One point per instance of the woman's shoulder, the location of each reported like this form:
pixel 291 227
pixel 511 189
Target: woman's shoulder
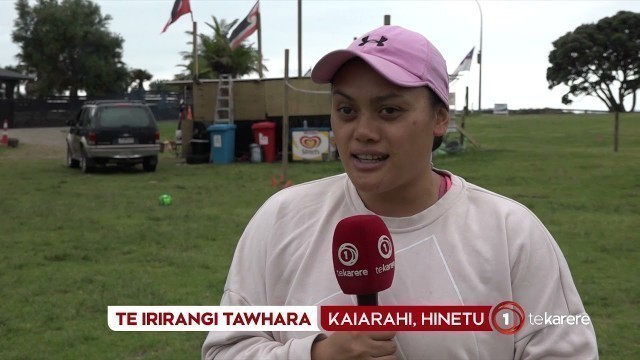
pixel 309 193
pixel 491 202
pixel 320 187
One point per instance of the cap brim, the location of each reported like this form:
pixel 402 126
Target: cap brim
pixel 326 68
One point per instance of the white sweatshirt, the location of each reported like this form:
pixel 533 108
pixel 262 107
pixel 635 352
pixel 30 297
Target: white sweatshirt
pixel 472 247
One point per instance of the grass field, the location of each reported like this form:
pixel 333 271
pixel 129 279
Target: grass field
pixel 72 244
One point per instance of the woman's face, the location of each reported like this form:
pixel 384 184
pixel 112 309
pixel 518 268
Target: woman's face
pixel 383 132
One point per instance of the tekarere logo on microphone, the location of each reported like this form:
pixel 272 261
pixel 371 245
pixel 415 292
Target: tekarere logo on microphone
pixel 348 254
pixel 385 247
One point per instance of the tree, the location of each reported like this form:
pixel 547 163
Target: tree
pixel 139 76
pixel 601 59
pixel 163 85
pixel 68 46
pixel 214 52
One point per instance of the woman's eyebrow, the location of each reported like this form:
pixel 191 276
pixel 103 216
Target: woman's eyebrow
pixel 377 99
pixel 338 92
pixel 383 98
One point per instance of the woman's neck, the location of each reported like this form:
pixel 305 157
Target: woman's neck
pixel 407 201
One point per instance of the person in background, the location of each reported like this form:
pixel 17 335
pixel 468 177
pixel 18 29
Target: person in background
pixel 455 243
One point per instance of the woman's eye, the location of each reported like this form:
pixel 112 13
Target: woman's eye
pixel 389 111
pixel 345 110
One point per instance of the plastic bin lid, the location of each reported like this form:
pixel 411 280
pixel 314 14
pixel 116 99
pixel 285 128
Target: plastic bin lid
pixel 221 127
pixel 264 125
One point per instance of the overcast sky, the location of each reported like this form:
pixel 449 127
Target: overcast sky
pixel 517 37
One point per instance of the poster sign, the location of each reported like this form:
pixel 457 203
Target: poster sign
pixel 310 145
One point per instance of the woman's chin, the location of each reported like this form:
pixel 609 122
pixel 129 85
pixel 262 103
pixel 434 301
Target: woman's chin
pixel 367 184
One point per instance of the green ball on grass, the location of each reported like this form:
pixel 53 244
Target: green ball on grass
pixel 164 199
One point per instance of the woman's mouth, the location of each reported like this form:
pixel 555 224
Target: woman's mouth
pixel 368 161
pixel 367 158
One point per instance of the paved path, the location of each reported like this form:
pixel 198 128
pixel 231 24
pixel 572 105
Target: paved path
pixel 43 143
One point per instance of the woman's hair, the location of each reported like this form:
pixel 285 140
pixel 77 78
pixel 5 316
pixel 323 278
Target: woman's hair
pixel 436 102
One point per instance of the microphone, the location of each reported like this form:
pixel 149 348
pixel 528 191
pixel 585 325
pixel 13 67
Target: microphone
pixel 363 257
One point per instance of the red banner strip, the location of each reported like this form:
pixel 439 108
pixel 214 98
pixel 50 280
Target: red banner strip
pixel 405 318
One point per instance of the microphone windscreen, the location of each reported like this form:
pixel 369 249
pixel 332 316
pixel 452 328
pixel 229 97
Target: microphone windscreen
pixel 363 255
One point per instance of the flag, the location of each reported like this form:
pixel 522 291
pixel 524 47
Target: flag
pixel 180 7
pixel 246 27
pixel 465 64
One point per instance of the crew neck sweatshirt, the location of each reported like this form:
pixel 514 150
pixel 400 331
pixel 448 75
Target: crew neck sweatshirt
pixel 472 247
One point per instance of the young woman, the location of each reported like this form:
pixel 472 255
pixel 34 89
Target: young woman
pixel 455 243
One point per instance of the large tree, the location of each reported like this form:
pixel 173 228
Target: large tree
pixel 215 56
pixel 601 59
pixel 68 46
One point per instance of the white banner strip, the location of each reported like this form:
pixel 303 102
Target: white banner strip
pixel 213 318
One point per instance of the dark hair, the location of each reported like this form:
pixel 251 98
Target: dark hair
pixel 435 99
pixel 436 102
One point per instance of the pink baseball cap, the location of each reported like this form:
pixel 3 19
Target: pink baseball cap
pixel 402 56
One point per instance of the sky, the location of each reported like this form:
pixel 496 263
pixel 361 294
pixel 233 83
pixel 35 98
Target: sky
pixel 517 37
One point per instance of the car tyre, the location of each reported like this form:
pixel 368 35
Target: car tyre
pixel 86 163
pixel 150 163
pixel 71 162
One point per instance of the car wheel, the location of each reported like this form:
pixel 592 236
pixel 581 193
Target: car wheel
pixel 150 163
pixel 71 162
pixel 86 164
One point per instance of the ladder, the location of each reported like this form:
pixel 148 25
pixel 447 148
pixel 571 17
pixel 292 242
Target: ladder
pixel 224 102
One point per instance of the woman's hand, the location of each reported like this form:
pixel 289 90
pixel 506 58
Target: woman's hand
pixel 347 345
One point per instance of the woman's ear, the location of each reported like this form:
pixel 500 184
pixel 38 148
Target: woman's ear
pixel 441 121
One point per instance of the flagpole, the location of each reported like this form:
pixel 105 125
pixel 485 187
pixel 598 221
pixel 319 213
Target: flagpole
pixel 260 46
pixel 299 38
pixel 285 119
pixel 187 126
pixel 195 52
pixel 480 64
pixel 195 49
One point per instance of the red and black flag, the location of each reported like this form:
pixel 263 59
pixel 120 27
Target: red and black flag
pixel 180 7
pixel 246 27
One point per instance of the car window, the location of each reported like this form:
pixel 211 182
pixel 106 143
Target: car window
pixel 84 117
pixel 89 115
pixel 76 120
pixel 118 116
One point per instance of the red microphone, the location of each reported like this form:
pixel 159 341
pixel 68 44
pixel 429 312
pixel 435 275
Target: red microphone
pixel 363 257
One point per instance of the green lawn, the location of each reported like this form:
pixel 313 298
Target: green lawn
pixel 72 244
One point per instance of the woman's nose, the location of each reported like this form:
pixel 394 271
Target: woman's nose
pixel 366 129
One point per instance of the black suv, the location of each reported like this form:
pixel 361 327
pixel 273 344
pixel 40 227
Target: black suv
pixel 121 132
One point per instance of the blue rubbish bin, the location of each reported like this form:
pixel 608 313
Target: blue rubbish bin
pixel 223 143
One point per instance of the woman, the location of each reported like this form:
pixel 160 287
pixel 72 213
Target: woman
pixel 455 243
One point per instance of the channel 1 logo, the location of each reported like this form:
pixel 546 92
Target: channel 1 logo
pixel 507 317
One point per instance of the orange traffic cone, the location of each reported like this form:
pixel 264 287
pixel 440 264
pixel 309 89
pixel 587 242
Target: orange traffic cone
pixel 288 183
pixel 189 116
pixel 5 133
pixel 274 182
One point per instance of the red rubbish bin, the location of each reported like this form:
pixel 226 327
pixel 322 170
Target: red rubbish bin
pixel 264 134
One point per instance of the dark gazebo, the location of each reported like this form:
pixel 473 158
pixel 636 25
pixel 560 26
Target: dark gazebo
pixel 8 81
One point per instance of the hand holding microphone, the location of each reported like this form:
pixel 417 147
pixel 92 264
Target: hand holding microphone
pixel 364 263
pixel 350 345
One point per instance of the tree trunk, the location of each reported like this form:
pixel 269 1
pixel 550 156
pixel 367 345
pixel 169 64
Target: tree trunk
pixel 633 103
pixel 10 87
pixel 616 107
pixel 620 107
pixel 73 93
pixel 616 131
